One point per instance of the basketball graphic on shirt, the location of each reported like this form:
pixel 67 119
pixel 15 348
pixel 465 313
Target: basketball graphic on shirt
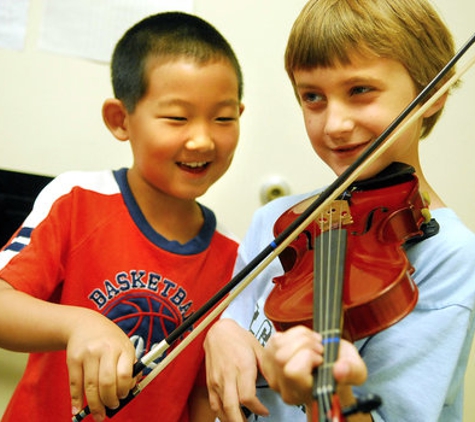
pixel 147 317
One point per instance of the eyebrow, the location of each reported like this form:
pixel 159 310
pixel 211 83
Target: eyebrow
pixel 179 102
pixel 354 80
pixel 362 79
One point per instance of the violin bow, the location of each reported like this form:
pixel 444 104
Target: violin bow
pixel 218 302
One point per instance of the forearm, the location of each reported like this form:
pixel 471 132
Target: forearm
pixel 28 324
pixel 99 355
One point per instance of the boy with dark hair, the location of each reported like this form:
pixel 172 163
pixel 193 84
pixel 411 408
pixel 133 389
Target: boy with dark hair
pixel 108 263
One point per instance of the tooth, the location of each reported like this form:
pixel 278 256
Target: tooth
pixel 194 165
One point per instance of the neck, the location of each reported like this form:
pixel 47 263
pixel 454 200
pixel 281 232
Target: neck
pixel 424 187
pixel 173 218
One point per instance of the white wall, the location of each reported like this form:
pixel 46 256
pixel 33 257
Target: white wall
pixel 50 120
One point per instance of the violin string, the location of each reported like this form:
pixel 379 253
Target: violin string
pixel 330 300
pixel 338 297
pixel 319 301
pixel 336 305
pixel 321 305
pixel 327 312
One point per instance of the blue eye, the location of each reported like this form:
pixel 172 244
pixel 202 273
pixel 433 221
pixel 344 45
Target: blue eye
pixel 360 90
pixel 311 97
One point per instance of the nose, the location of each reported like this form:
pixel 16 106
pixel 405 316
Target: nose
pixel 200 140
pixel 339 120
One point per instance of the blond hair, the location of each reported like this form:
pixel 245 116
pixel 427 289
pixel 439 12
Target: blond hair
pixel 327 32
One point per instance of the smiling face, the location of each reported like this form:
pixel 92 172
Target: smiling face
pixel 185 130
pixel 346 107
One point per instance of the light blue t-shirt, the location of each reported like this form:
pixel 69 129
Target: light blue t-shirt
pixel 417 366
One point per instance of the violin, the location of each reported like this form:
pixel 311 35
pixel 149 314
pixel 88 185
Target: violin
pixel 378 217
pixel 346 274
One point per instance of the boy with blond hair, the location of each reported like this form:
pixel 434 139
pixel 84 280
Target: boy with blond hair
pixel 354 66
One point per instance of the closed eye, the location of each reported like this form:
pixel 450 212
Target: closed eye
pixel 175 118
pixel 226 119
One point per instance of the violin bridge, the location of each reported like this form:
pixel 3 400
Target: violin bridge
pixel 336 215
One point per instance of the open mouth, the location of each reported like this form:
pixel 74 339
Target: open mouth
pixel 195 167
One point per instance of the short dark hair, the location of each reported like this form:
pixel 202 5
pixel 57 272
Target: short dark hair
pixel 165 36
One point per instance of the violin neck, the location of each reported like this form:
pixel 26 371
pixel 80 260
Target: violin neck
pixel 329 268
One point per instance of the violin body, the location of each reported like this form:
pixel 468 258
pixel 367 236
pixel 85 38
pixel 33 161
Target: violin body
pixel 378 290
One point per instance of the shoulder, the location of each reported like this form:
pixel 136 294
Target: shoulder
pixel 444 264
pixel 224 231
pixel 99 181
pixel 261 230
pixel 454 238
pixel 221 236
pixel 452 227
pixel 267 215
pixel 64 184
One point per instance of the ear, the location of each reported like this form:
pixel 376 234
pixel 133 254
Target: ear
pixel 115 115
pixel 438 105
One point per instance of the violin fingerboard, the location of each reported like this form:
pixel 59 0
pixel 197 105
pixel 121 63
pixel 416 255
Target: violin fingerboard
pixel 329 266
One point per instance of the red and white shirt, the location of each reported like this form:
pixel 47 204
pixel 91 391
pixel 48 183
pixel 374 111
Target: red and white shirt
pixel 86 243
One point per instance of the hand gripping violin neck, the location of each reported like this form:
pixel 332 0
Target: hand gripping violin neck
pixel 347 273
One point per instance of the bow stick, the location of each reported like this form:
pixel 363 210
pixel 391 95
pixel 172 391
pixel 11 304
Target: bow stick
pixel 216 305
